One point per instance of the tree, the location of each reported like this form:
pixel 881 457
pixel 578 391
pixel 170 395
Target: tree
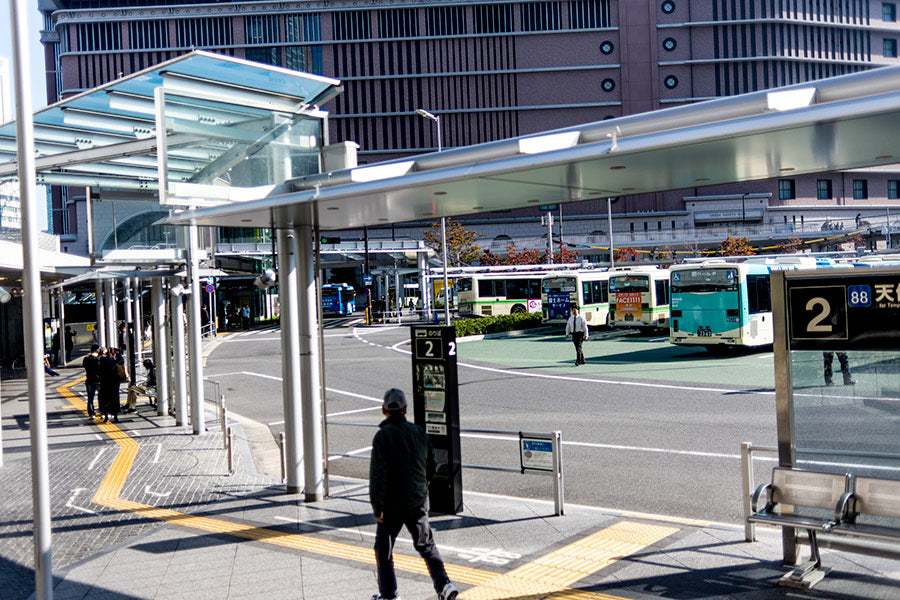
pixel 489 259
pixel 628 254
pixel 461 246
pixel 736 247
pixel 527 256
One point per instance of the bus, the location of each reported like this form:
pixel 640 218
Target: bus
pixel 639 296
pixel 488 294
pixel 338 298
pixel 588 290
pixel 726 303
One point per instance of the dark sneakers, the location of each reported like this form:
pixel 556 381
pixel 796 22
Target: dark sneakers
pixel 449 592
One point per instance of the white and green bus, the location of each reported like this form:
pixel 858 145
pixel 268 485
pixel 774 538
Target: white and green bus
pixel 488 294
pixel 587 289
pixel 639 297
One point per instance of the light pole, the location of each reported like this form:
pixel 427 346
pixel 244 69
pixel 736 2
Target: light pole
pixel 609 203
pixel 437 122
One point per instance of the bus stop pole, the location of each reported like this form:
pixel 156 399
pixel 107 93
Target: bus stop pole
pixel 31 306
pixel 311 405
pixel 290 362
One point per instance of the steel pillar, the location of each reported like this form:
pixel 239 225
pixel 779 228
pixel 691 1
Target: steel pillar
pixel 195 332
pixel 181 388
pixel 100 313
pixel 290 361
pixel 160 347
pixel 314 488
pixel 111 325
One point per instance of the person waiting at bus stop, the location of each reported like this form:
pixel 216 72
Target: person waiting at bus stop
pixel 577 329
pixel 828 359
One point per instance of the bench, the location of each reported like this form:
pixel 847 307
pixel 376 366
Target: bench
pixel 793 489
pixel 840 499
pixel 150 395
pixel 875 499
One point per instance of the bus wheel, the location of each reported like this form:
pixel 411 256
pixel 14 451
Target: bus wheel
pixel 518 309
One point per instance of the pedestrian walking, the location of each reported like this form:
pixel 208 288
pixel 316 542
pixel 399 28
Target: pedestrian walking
pixel 245 317
pixel 91 364
pixel 400 470
pixel 577 329
pixel 828 359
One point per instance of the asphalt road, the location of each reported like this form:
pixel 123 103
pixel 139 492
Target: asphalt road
pixel 646 427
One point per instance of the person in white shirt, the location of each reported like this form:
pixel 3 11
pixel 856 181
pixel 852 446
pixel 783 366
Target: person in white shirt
pixel 577 328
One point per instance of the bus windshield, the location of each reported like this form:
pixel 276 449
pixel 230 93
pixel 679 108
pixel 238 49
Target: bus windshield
pixel 705 280
pixel 630 283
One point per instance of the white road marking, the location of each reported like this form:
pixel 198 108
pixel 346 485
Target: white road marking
pixel 351 453
pixel 96 458
pixel 97 435
pixel 136 433
pixel 71 502
pixel 257 339
pixel 157 454
pixel 157 494
pixel 350 412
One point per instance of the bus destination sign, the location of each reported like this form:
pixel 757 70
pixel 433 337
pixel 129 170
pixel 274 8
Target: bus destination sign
pixel 847 312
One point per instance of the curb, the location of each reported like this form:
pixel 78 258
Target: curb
pixel 505 334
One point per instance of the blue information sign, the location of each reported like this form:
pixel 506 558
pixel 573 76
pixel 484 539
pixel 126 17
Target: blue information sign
pixel 558 305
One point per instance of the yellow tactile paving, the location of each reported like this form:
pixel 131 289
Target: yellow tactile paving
pixel 545 578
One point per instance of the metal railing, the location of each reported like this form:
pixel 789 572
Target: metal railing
pixel 555 438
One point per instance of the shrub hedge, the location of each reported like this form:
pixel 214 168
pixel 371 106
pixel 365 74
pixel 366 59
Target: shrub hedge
pixel 482 325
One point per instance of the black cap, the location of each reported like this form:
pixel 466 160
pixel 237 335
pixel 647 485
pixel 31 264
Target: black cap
pixel 394 400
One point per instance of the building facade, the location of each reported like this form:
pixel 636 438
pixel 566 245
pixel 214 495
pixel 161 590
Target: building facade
pixel 497 69
pixel 10 211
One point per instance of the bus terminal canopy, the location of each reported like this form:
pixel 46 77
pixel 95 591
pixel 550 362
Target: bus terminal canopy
pixel 218 110
pixel 834 124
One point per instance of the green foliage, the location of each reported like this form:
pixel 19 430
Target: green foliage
pixel 482 325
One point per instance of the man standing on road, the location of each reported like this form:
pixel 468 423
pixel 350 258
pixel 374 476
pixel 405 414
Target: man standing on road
pixel 400 469
pixel 577 328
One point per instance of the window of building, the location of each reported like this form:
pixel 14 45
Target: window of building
pixel 607 47
pixel 890 48
pixel 99 36
pixel 893 191
pixel 888 12
pixel 588 14
pixel 303 28
pixel 860 189
pixel 823 189
pixel 204 33
pixel 541 16
pixel 352 25
pixel 148 34
pixel 445 20
pixel 786 189
pixel 670 44
pixel 608 85
pixel 398 23
pixel 493 18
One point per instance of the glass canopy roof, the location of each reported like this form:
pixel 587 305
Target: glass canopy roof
pixel 218 112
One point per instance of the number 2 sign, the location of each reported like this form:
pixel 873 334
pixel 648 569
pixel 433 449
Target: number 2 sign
pixel 818 313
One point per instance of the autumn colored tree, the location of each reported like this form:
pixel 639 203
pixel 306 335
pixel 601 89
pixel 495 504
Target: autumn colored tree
pixel 564 255
pixel 790 246
pixel 526 256
pixel 628 254
pixel 461 246
pixel 736 247
pixel 489 259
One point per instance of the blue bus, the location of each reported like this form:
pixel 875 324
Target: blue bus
pixel 338 298
pixel 725 303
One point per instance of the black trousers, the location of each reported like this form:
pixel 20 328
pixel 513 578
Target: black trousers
pixel 91 392
pixel 828 358
pixel 416 522
pixel 578 339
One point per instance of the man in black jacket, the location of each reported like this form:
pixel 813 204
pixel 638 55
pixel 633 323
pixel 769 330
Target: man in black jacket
pixel 91 364
pixel 400 470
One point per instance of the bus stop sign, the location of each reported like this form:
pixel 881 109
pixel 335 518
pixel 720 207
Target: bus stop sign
pixel 436 406
pixel 846 311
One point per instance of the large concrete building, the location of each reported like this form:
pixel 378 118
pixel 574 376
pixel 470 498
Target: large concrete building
pixel 10 212
pixel 498 69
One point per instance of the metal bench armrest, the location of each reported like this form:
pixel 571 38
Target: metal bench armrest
pixel 843 511
pixel 754 501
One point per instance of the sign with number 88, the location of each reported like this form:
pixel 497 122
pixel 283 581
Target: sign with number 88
pixel 859 295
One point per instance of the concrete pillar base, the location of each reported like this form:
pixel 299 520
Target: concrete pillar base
pixel 292 489
pixel 313 497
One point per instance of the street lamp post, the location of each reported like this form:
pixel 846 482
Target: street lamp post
pixel 437 123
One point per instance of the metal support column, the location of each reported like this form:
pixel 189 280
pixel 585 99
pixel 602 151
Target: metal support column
pixel 195 341
pixel 424 285
pixel 31 304
pixel 129 325
pixel 63 338
pixel 446 284
pixel 160 347
pixel 111 325
pixel 313 454
pixel 138 324
pixel 290 361
pixel 100 332
pixel 181 388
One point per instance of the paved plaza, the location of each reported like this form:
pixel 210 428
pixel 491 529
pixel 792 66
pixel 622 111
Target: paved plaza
pixel 145 510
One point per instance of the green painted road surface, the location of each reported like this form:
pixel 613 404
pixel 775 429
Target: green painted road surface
pixel 613 354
